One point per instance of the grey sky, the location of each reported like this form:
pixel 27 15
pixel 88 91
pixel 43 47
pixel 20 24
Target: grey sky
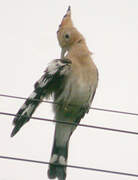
pixel 28 43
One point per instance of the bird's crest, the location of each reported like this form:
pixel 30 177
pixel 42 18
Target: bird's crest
pixel 66 21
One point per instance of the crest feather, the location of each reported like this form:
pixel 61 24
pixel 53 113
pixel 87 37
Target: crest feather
pixel 66 21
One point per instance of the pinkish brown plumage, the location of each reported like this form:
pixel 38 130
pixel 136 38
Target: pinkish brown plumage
pixel 72 81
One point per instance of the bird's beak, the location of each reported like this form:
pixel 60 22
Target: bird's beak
pixel 63 51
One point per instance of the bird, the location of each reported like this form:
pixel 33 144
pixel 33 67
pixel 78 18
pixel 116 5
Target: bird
pixel 72 81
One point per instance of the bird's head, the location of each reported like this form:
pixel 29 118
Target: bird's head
pixel 67 34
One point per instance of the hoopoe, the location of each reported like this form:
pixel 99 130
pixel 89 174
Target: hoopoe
pixel 72 81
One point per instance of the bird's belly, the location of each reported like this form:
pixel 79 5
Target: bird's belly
pixel 76 94
pixel 79 95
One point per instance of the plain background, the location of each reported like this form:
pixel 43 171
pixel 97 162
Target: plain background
pixel 28 43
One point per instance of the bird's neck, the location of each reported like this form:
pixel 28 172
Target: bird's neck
pixel 79 49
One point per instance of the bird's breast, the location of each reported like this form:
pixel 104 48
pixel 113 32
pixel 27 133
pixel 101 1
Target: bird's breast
pixel 75 92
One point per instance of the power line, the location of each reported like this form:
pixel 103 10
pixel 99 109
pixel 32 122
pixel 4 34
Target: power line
pixel 70 166
pixel 94 108
pixel 81 125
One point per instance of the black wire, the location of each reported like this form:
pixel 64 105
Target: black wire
pixel 94 108
pixel 71 166
pixel 82 125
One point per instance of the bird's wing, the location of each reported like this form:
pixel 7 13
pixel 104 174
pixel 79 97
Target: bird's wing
pixel 56 70
pixel 44 87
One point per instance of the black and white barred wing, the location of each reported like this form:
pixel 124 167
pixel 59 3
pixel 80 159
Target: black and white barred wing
pixel 43 88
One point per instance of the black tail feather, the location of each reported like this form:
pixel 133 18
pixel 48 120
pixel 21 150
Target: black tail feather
pixel 57 167
pixel 58 171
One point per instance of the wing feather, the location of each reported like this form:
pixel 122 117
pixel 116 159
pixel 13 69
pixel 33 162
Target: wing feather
pixel 44 87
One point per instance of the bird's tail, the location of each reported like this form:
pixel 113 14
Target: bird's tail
pixel 58 162
pixel 26 111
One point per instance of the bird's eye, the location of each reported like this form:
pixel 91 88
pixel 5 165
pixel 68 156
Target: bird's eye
pixel 67 36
